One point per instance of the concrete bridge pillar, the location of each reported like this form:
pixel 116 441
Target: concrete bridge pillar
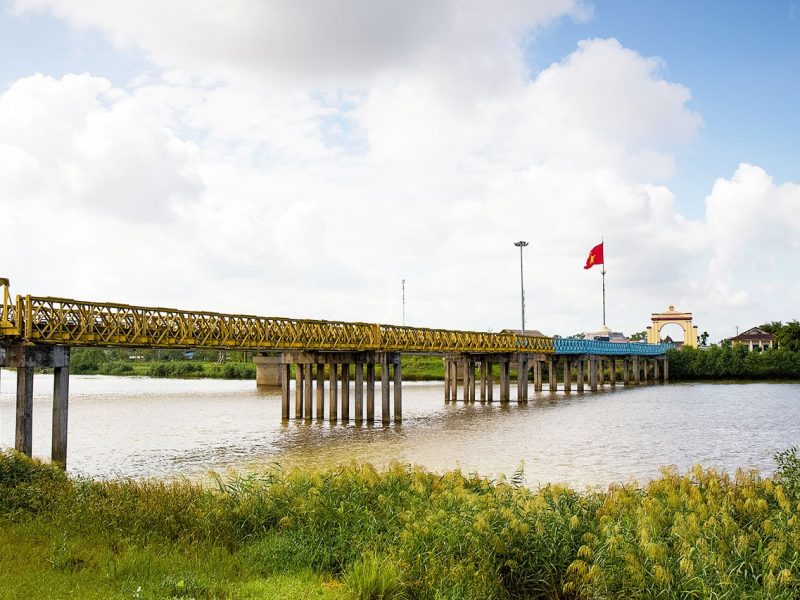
pixel 537 375
pixel 359 392
pixel 333 392
pixel 593 373
pixel 26 359
pixel 299 371
pixel 345 398
pixel 613 372
pixel 505 381
pixel 580 377
pixel 320 370
pixel 656 374
pixel 552 379
pixel 637 375
pixel 268 371
pixel 567 374
pixel 398 388
pixel 666 369
pixel 370 392
pixel 310 374
pixel 308 391
pixel 490 381
pixel 522 378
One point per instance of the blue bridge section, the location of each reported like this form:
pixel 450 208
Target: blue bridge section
pixel 578 346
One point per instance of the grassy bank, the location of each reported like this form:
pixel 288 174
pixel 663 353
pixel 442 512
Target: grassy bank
pixel 173 364
pixel 358 533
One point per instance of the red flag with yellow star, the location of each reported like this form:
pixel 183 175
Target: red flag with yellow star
pixel 595 256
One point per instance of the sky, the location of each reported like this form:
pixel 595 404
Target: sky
pixel 304 158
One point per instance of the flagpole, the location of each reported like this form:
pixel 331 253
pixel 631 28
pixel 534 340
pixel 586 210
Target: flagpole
pixel 602 241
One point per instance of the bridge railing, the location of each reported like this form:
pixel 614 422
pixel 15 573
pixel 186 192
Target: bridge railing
pixel 63 321
pixel 8 311
pixel 48 320
pixel 582 346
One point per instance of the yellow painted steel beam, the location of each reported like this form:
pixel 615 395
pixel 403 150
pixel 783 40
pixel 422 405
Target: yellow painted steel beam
pixel 45 320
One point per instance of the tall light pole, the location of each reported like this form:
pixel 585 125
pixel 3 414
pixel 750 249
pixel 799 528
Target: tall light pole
pixel 521 244
pixel 404 301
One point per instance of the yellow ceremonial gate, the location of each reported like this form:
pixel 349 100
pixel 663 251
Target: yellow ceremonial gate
pixel 683 319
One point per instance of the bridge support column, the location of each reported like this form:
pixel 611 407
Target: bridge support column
pixel 453 380
pixel 385 417
pixel 666 369
pixel 656 374
pixel 637 375
pixel 23 437
pixel 333 401
pixel 522 378
pixel 268 371
pixel 446 362
pixel 298 390
pixel 398 389
pixel 489 381
pixel 359 399
pixel 320 367
pixel 286 379
pixel 552 379
pixel 613 372
pixel 567 374
pixel 579 374
pixel 471 377
pixel 370 392
pixel 308 392
pixel 483 379
pixel 537 375
pixel 593 373
pixel 626 371
pixel 345 392
pixel 505 381
pixel 601 371
pixel 60 415
pixel 26 359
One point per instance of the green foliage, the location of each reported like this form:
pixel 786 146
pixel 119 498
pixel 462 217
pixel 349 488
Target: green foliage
pixel 788 473
pixel 732 362
pixel 405 532
pixel 86 360
pixel 639 336
pixel 374 577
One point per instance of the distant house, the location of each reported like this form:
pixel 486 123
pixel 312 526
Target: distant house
pixel 528 332
pixel 754 338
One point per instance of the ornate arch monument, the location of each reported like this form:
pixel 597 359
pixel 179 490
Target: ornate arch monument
pixel 684 319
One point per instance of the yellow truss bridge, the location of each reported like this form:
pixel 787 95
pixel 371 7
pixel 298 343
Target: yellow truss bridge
pixel 61 321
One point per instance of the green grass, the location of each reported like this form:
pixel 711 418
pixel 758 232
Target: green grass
pixel 355 532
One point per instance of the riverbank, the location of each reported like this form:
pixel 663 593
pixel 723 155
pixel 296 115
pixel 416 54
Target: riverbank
pixel 415 368
pixel 403 532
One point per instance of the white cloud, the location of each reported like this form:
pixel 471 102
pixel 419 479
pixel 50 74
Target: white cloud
pixel 754 232
pixel 84 145
pixel 314 41
pixel 284 167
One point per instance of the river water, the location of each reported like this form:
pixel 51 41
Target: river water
pixel 164 428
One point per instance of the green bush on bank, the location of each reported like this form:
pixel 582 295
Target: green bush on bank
pixel 406 532
pixel 732 362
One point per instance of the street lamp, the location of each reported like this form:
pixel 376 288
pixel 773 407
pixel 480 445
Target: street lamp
pixel 521 244
pixel 403 282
